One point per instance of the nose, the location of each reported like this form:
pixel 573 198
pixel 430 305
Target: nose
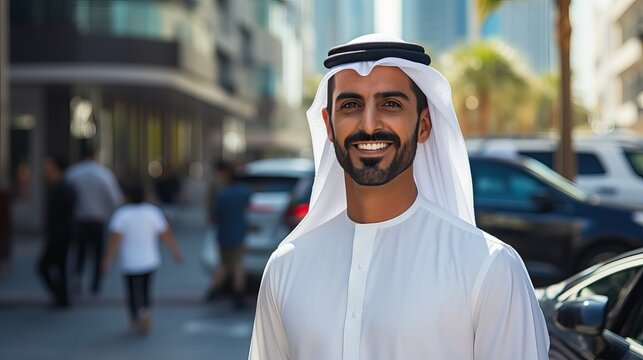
pixel 371 121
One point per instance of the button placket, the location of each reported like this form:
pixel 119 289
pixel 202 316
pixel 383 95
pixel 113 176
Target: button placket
pixel 363 240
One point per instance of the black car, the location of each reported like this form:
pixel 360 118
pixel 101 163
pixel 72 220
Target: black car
pixel 598 313
pixel 553 224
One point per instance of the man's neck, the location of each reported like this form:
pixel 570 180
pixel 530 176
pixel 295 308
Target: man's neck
pixel 371 204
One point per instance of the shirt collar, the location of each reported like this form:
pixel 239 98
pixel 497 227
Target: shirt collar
pixel 390 222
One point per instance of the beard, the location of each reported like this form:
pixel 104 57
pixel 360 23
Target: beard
pixel 370 173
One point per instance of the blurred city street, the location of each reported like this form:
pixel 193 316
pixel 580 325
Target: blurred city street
pixel 210 110
pixel 183 326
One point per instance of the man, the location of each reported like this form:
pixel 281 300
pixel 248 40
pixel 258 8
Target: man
pixel 59 211
pixel 388 263
pixel 228 213
pixel 98 194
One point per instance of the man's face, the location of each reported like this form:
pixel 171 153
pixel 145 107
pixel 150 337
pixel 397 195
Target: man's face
pixel 51 171
pixel 374 124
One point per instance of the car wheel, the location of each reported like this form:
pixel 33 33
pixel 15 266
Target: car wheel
pixel 600 253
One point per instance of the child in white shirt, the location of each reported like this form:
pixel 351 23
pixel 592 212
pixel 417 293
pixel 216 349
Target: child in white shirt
pixel 134 232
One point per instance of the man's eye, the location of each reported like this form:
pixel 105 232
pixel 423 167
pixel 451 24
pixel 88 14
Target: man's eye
pixel 349 105
pixel 391 104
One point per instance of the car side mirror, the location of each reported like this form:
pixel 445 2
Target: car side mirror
pixel 584 315
pixel 543 201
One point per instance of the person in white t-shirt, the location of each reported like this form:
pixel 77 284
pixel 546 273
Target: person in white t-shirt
pixel 134 232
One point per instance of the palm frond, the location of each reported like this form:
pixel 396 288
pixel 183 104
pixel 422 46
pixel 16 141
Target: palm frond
pixel 485 7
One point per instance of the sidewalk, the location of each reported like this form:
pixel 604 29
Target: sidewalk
pixel 184 283
pixel 183 326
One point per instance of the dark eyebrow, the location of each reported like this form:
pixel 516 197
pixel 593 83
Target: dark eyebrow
pixel 387 94
pixel 348 95
pixel 380 95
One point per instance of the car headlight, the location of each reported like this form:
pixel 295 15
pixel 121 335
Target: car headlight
pixel 637 217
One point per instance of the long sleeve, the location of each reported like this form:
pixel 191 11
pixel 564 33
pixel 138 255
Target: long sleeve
pixel 508 321
pixel 269 341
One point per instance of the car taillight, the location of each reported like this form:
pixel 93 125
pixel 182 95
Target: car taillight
pixel 295 214
pixel 300 211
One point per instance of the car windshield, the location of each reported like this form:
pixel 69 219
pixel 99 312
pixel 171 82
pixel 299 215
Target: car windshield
pixel 635 158
pixel 552 177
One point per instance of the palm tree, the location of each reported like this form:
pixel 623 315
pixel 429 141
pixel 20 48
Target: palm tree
pixel 565 158
pixel 484 76
pixel 548 101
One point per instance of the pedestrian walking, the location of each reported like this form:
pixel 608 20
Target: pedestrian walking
pixel 388 263
pixel 134 232
pixel 59 211
pixel 98 194
pixel 228 214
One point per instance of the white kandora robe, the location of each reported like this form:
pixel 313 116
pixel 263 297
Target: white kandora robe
pixel 423 285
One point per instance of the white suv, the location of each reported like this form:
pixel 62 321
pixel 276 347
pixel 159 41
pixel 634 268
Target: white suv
pixel 611 169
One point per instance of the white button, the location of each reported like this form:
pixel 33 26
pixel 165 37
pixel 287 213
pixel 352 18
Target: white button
pixel 354 315
pixel 360 266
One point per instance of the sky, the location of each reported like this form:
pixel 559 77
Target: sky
pixel 583 48
pixel 388 15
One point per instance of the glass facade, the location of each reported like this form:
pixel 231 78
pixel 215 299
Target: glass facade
pixel 138 19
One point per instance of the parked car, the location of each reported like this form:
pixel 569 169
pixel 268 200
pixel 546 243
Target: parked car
pixel 556 227
pixel 611 168
pixel 598 313
pixel 272 182
pixel 299 202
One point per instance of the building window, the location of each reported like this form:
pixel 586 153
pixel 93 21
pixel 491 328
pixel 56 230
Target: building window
pixel 225 16
pixel 267 80
pixel 632 87
pixel 246 46
pixel 226 79
pixel 632 27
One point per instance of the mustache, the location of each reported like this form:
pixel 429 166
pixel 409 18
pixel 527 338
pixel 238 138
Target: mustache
pixel 377 136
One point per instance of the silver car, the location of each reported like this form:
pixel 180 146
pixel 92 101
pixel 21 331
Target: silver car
pixel 273 183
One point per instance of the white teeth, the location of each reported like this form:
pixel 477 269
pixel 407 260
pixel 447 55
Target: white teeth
pixel 371 146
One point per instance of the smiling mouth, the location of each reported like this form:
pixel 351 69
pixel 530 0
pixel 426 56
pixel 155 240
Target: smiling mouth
pixel 372 146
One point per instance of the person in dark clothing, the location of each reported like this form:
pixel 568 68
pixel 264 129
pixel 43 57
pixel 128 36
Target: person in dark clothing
pixel 229 214
pixel 59 210
pixel 168 186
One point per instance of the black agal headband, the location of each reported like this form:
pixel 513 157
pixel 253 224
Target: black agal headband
pixel 374 51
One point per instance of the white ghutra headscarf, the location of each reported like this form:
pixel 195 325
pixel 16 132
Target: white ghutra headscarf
pixel 441 165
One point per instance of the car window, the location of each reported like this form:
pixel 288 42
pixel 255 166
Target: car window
pixel 545 157
pixel 303 190
pixel 637 330
pixel 635 159
pixel 270 183
pixel 555 180
pixel 609 286
pixel 496 181
pixel 587 163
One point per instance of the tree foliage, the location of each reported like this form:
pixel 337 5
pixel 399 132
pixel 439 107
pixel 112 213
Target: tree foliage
pixel 489 85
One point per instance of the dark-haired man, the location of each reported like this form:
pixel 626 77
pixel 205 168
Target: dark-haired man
pixel 228 213
pixel 98 194
pixel 388 263
pixel 59 211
